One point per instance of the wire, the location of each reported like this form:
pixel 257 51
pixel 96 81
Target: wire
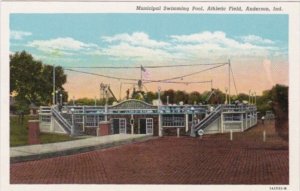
pixel 133 67
pixel 186 75
pixel 105 76
pixel 178 82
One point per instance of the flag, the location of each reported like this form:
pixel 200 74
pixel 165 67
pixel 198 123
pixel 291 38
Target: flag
pixel 143 69
pixel 146 75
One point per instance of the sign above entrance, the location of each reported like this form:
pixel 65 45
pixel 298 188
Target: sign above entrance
pixel 133 104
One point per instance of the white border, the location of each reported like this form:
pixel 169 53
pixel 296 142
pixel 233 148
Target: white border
pixel 292 9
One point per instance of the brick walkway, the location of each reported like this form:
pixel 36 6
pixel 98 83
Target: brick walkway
pixel 170 160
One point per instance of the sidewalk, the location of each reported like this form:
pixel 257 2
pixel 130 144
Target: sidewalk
pixel 36 152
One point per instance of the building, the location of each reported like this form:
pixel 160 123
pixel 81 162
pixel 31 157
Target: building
pixel 138 117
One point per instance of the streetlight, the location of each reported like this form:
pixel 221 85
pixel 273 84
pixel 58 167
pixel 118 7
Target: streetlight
pixel 193 134
pixel 56 96
pixel 255 98
pixel 249 97
pixel 158 95
pixel 226 90
pixel 60 98
pixel 72 127
pixel 73 100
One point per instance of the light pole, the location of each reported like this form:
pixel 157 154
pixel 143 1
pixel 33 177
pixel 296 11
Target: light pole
pixel 193 134
pixel 73 100
pixel 167 100
pixel 60 99
pixel 255 98
pixel 226 90
pixel 158 95
pixel 249 97
pixel 95 101
pixel 72 127
pixel 53 98
pixel 56 97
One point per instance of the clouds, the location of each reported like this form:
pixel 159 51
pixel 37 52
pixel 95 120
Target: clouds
pixel 66 46
pixel 19 35
pixel 135 39
pixel 256 40
pixel 141 47
pixel 215 45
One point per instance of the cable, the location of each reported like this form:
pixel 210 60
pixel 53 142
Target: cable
pixel 178 82
pixel 179 77
pixel 105 76
pixel 134 67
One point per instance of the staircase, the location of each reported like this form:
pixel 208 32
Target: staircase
pixel 65 124
pixel 209 119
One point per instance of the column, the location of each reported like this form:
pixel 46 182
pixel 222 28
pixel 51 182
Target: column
pixel 242 124
pixel 160 125
pixel 186 122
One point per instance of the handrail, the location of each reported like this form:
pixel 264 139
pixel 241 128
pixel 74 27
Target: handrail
pixel 208 118
pixel 61 119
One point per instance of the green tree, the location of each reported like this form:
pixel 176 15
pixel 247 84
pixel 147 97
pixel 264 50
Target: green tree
pixel 194 97
pixel 31 80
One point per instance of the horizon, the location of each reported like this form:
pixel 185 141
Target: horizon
pixel 257 49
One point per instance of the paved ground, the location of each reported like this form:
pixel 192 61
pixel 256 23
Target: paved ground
pixel 170 160
pixel 40 151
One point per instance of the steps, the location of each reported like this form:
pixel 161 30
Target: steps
pixel 214 115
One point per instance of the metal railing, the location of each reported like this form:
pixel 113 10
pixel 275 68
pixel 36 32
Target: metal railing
pixel 61 120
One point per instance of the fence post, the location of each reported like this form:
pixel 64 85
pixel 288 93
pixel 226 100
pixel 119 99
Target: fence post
pixel 231 135
pixel 264 136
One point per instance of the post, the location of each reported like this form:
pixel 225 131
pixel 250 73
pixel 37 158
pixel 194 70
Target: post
pixel 178 132
pixel 72 127
pixel 249 97
pixel 53 98
pixel 95 100
pixel 33 132
pixel 264 136
pixel 229 81
pixel 83 119
pixel 193 134
pixel 160 125
pixel 167 100
pixel 131 124
pixel 73 100
pixel 56 97
pixel 186 122
pixel 60 98
pixel 231 135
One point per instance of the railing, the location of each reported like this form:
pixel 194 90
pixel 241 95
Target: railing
pixel 209 119
pixel 60 119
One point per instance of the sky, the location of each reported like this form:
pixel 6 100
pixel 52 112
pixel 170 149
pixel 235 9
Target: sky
pixel 256 45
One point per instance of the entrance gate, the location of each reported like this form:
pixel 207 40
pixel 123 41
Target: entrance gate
pixel 119 126
pixel 146 126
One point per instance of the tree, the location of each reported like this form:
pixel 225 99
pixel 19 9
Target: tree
pixel 31 80
pixel 165 94
pixel 181 96
pixel 194 97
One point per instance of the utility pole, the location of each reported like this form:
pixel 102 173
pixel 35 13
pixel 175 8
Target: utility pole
pixel 53 97
pixel 229 82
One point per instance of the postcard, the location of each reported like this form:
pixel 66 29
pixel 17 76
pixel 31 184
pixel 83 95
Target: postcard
pixel 150 95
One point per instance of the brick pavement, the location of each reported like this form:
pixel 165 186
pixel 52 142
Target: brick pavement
pixel 170 160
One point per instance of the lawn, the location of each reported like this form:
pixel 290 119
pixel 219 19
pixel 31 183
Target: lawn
pixel 19 133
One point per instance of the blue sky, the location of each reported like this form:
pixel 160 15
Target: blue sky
pixel 151 39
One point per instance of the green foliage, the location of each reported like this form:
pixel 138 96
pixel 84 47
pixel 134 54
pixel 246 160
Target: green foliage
pixel 280 95
pixel 19 133
pixel 31 80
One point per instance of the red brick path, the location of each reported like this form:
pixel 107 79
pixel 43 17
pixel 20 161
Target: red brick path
pixel 170 160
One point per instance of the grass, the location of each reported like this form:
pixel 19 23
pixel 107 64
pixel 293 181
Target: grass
pixel 19 133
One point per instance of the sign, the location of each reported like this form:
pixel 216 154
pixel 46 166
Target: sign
pixel 200 132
